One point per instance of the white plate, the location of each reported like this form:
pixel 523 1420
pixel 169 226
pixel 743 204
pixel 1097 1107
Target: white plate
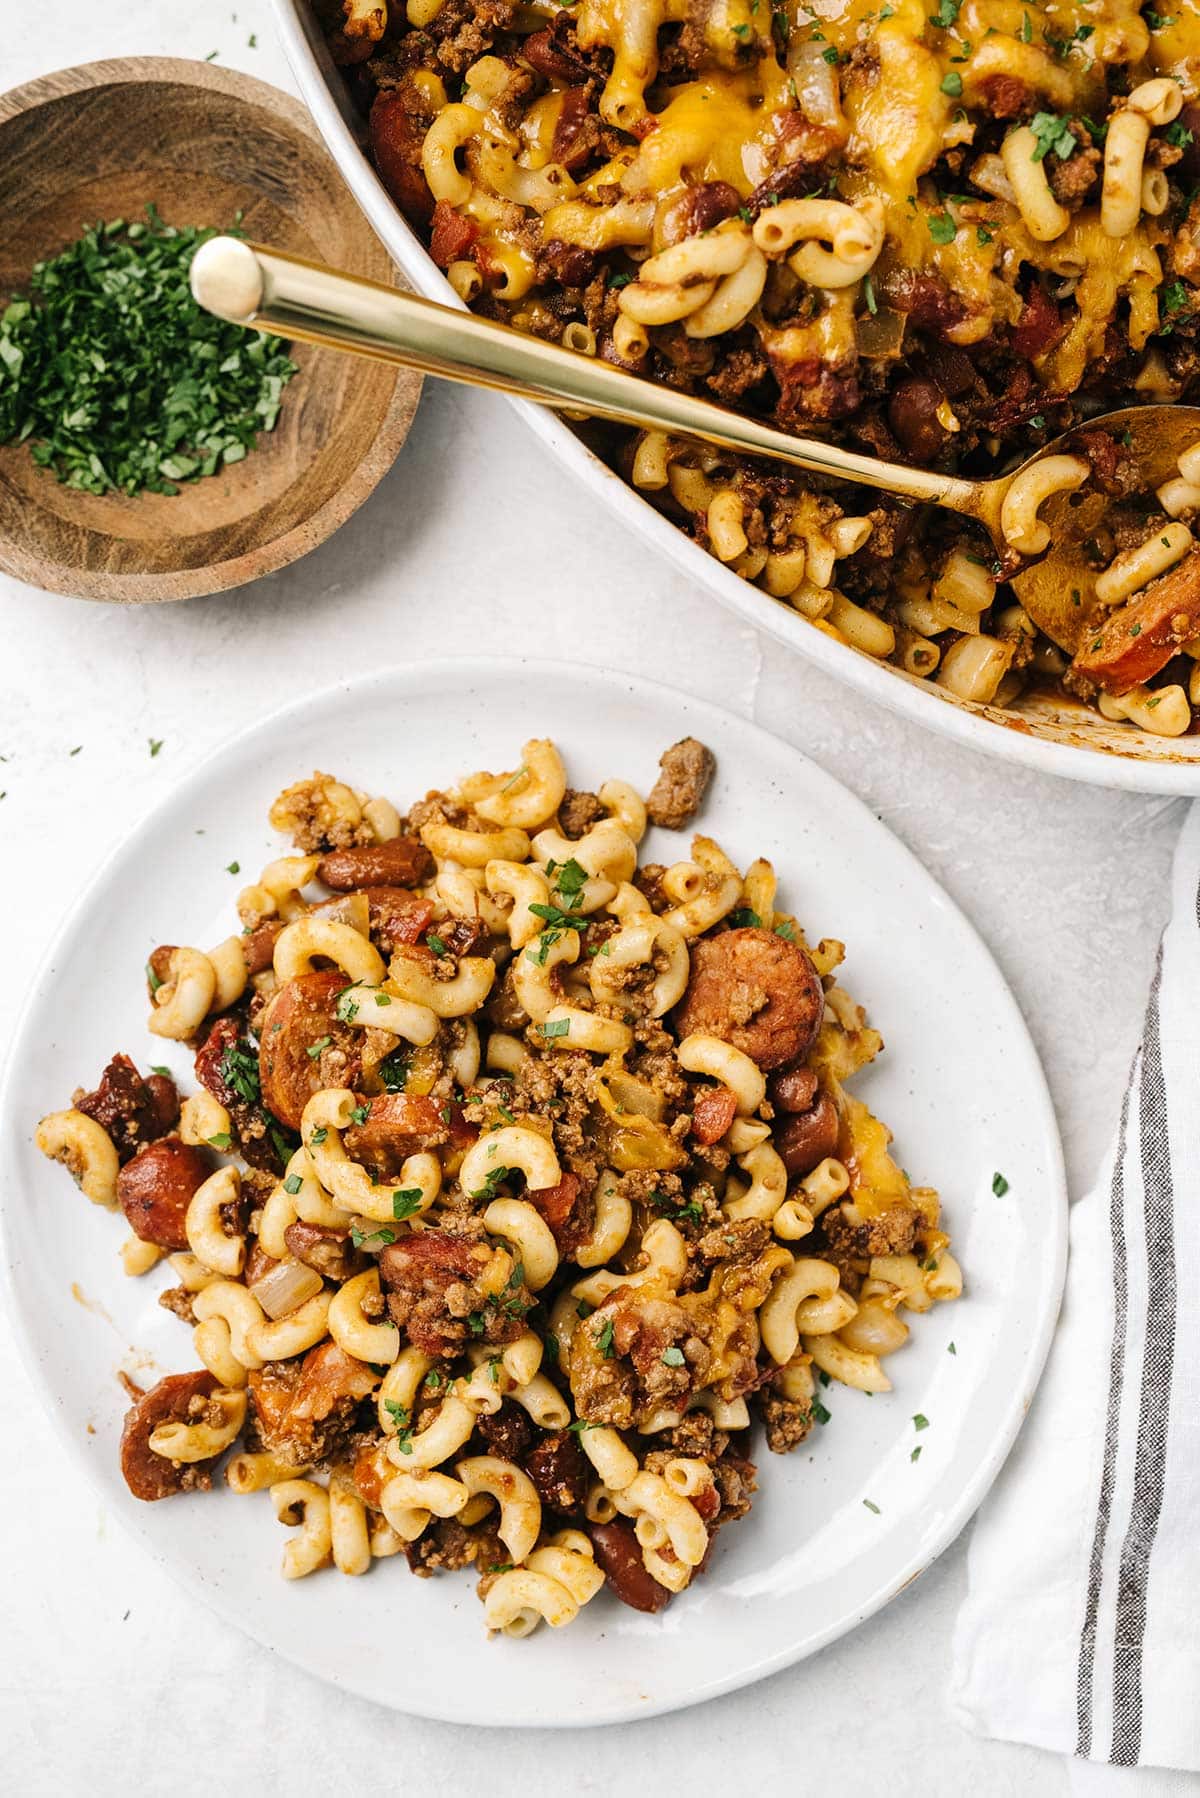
pixel 1059 737
pixel 959 1082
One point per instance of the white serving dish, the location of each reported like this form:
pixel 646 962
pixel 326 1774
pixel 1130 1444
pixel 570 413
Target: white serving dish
pixel 1061 738
pixel 840 1527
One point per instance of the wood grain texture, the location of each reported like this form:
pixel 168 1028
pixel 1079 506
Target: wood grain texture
pixel 202 143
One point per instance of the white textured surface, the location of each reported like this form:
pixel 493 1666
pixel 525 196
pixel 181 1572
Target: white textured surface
pixel 107 1674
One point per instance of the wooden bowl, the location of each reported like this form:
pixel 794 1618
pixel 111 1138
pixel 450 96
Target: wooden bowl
pixel 202 143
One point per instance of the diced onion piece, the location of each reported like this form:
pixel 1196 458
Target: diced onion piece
pixel 285 1287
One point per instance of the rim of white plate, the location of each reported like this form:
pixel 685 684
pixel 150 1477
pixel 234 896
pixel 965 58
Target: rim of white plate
pixel 887 686
pixel 1052 1272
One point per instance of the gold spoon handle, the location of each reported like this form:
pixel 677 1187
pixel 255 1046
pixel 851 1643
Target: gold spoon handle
pixel 253 286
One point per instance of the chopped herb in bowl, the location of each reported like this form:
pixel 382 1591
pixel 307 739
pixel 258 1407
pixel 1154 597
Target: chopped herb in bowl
pixel 115 377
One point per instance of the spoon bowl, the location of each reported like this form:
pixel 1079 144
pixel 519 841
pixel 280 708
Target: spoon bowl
pixel 1059 591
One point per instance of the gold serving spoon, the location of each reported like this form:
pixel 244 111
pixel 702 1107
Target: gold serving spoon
pixel 250 285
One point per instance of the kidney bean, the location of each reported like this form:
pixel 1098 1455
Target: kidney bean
pixel 804 1140
pixel 912 414
pixel 793 1089
pixel 401 863
pixel 619 1553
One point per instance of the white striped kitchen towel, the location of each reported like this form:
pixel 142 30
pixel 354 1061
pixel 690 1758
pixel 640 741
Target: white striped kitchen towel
pixel 1081 1626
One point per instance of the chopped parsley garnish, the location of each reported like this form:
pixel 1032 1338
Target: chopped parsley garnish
pixel 406 1202
pixel 399 1416
pixel 676 1214
pixel 368 1238
pixel 360 1114
pixel 292 1184
pixel 318 1136
pixel 999 1185
pixel 831 55
pixel 556 919
pixel 313 1050
pixel 555 1027
pixel 346 1008
pixel 950 1349
pixel 233 867
pixel 946 14
pixel 869 295
pixel 604 1338
pixel 393 1069
pixel 916 1454
pixel 493 1180
pixel 942 228
pixel 1176 133
pixel 787 930
pixel 239 1070
pixel 1175 296
pixel 744 919
pixel 570 879
pixel 621 280
pixel 952 84
pixel 165 1072
pixel 437 945
pixel 819 1411
pixel 1159 21
pixel 672 1357
pixel 920 1422
pixel 155 743
pixel 220 1141
pixel 984 234
pixel 871 1506
pixel 1052 132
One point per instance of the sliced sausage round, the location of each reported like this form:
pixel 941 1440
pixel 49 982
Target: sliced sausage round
pixel 299 1018
pixel 150 1476
pixel 156 1187
pixel 756 990
pixel 619 1553
pixel 396 129
pixel 396 1126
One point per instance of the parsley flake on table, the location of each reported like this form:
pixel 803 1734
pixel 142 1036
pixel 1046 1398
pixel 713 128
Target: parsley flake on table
pixel 999 1185
pixel 117 380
